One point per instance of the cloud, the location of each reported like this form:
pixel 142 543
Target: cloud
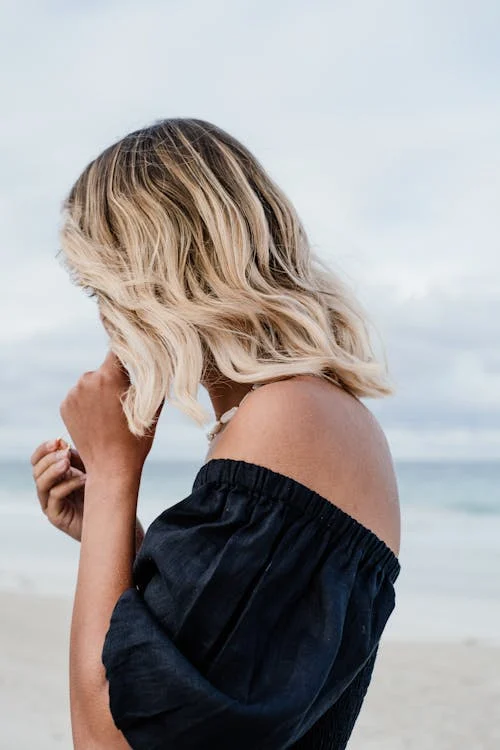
pixel 379 119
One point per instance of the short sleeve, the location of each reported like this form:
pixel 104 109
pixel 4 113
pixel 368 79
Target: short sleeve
pixel 256 603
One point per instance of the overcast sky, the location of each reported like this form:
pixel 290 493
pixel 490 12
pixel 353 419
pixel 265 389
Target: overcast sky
pixel 381 121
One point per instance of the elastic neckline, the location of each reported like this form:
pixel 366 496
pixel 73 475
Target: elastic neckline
pixel 262 480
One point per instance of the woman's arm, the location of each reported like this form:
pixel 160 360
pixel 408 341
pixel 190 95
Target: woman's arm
pixel 104 573
pixel 114 459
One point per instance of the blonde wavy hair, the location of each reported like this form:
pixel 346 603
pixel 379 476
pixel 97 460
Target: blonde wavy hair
pixel 201 265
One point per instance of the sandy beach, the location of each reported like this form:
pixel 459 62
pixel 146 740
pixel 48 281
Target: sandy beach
pixel 424 695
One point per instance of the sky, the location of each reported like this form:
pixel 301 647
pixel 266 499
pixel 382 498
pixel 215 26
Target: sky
pixel 379 118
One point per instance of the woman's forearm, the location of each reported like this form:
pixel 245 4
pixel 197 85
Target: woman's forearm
pixel 109 538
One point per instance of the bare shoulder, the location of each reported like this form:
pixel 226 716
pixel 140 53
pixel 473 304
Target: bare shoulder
pixel 326 439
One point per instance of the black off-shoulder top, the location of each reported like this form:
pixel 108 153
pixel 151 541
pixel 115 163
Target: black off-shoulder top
pixel 254 621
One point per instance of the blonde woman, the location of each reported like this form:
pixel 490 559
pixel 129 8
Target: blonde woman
pixel 250 614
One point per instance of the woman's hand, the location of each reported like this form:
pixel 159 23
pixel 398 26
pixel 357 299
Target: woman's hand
pixel 60 489
pixel 59 476
pixel 94 417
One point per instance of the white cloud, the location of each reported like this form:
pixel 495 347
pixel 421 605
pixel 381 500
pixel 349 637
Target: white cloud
pixel 380 119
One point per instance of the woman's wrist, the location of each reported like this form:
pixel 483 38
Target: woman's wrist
pixel 114 473
pixel 123 486
pixel 126 486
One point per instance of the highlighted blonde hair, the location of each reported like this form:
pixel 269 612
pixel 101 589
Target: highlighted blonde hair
pixel 201 265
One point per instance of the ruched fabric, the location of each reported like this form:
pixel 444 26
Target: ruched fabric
pixel 254 620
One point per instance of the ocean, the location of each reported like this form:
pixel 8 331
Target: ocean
pixel 448 588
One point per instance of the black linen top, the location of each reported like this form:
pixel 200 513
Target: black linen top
pixel 254 621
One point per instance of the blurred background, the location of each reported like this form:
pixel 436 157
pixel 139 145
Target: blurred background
pixel 380 119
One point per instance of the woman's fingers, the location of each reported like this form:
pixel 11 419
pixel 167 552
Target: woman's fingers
pixel 49 460
pixel 42 450
pixel 52 475
pixel 59 492
pixel 46 452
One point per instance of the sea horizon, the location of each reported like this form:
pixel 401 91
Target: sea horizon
pixel 448 587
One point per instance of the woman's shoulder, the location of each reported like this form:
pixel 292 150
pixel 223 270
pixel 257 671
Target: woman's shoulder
pixel 326 439
pixel 256 599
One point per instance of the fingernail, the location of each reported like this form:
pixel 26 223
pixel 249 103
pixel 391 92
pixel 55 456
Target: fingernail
pixel 83 478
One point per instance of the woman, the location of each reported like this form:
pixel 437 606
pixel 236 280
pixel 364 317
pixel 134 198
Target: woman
pixel 249 616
